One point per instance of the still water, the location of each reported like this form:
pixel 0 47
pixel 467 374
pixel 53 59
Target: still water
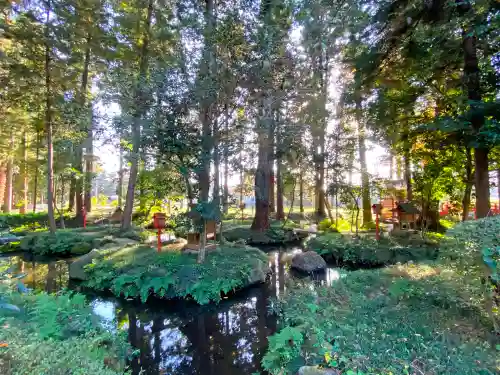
pixel 180 338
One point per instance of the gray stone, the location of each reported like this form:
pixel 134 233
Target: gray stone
pixel 309 261
pixel 315 370
pixel 8 239
pixel 76 269
pixel 258 273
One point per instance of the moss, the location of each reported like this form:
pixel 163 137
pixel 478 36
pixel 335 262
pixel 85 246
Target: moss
pixel 272 236
pixel 141 272
pixel 366 251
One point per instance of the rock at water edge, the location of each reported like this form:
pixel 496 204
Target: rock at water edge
pixel 309 261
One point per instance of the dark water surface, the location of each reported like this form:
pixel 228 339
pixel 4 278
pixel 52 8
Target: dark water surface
pixel 183 338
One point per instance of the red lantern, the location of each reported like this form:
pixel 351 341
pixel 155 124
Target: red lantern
pixel 159 223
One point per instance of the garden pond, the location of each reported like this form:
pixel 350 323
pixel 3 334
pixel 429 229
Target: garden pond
pixel 228 338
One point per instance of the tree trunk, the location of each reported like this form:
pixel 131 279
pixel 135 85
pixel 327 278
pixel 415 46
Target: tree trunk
pixel 226 161
pixel 498 187
pixel 7 201
pixel 216 157
pixel 89 166
pixel 365 179
pixel 469 182
pixel 263 172
pixel 119 189
pixel 24 174
pixel 3 179
pixel 391 166
pixel 207 102
pixel 272 196
pixel 72 194
pixel 280 213
pixel 136 123
pixel 83 183
pixel 407 174
pixel 472 79
pixel 35 182
pixel 301 191
pixel 48 128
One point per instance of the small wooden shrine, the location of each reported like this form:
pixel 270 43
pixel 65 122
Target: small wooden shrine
pixel 406 215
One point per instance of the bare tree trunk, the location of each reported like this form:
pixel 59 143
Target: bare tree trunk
pixel 7 205
pixel 24 173
pixel 391 166
pixel 498 186
pixel 136 124
pixel 35 182
pixel 272 196
pixel 407 174
pixel 82 182
pixel 473 81
pixel 365 179
pixel 280 213
pixel 207 102
pixel 263 172
pixel 89 166
pixel 469 182
pixel 72 194
pixel 226 161
pixel 216 157
pixel 301 191
pixel 3 179
pixel 119 189
pixel 48 128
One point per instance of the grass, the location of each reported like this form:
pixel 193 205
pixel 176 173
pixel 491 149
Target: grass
pixel 366 251
pixel 428 318
pixel 141 272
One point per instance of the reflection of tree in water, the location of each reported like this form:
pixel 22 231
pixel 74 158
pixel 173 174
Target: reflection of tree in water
pixel 50 276
pixel 217 340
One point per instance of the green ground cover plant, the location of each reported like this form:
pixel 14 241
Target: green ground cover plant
pixel 273 236
pixel 141 272
pixel 77 241
pixel 64 242
pixel 366 251
pixel 54 334
pixel 427 318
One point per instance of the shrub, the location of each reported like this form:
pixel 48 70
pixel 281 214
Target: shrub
pixel 142 272
pixel 63 242
pixel 474 248
pixel 408 319
pixel 366 251
pixel 324 224
pixel 57 335
pixel 39 219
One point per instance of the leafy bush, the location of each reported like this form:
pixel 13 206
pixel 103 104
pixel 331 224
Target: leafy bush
pixel 367 251
pixel 53 334
pixel 142 272
pixel 39 219
pixel 408 319
pixel 57 335
pixel 274 235
pixel 63 242
pixel 324 224
pixel 474 248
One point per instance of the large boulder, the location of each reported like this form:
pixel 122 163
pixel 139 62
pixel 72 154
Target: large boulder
pixel 315 370
pixel 76 269
pixel 307 262
pixel 258 272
